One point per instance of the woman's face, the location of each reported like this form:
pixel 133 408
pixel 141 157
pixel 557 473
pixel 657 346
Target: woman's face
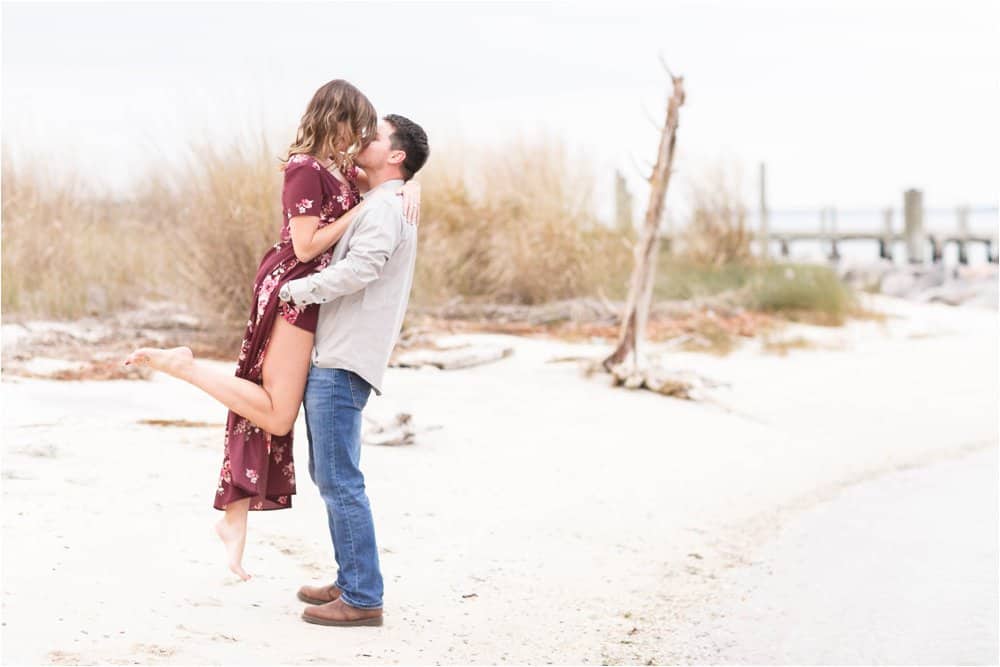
pixel 379 152
pixel 342 142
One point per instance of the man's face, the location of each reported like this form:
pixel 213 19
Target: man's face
pixel 379 152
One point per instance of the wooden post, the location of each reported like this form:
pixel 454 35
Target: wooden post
pixel 623 206
pixel 834 251
pixel 764 222
pixel 913 225
pixel 632 332
pixel 937 248
pixel 885 243
pixel 668 238
pixel 822 230
pixel 963 234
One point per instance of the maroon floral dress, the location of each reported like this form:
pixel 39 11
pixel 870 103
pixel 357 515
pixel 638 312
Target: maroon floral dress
pixel 257 464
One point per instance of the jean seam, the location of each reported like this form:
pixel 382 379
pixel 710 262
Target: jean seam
pixel 309 442
pixel 343 506
pixel 350 536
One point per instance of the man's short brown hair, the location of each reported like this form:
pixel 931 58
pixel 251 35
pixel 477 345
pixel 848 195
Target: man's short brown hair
pixel 412 140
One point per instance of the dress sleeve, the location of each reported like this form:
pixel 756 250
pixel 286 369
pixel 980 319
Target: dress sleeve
pixel 303 190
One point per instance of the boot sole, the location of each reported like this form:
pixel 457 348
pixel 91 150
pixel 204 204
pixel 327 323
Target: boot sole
pixel 376 620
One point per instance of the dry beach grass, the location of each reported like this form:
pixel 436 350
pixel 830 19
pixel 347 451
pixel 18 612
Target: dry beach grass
pixel 511 226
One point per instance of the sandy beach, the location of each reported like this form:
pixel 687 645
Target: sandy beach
pixel 551 518
pixel 831 587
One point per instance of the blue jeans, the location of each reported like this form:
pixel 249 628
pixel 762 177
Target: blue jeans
pixel 333 403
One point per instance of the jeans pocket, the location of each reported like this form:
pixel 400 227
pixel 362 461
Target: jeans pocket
pixel 360 389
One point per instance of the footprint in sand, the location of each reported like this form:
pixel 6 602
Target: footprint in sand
pixel 65 658
pixel 296 549
pixel 209 602
pixel 17 475
pixel 214 636
pixel 38 450
pixel 155 650
pixel 318 568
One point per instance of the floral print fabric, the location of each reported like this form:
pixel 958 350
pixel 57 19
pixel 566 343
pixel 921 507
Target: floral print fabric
pixel 257 464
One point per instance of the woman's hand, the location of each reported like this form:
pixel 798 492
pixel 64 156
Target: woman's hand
pixel 410 192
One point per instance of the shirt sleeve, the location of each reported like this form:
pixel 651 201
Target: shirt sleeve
pixel 303 190
pixel 375 237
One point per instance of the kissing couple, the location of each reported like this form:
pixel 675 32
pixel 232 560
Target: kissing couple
pixel 328 304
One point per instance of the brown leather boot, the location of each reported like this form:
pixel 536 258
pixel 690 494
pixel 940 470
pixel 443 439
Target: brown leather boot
pixel 339 612
pixel 319 594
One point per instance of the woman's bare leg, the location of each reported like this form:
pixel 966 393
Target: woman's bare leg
pixel 232 530
pixel 275 405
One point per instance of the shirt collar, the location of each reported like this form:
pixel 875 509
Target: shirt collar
pixel 392 183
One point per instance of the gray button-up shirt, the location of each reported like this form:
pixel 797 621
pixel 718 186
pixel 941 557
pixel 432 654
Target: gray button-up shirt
pixel 364 290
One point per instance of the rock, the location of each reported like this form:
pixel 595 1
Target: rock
pixel 962 293
pixel 953 294
pixel 866 275
pixel 13 334
pixel 976 272
pixel 897 283
pixel 928 277
pixel 987 297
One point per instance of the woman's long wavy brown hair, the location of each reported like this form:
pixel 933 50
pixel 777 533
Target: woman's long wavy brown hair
pixel 338 123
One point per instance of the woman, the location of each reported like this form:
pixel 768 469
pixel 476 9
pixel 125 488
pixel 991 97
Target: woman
pixel 320 199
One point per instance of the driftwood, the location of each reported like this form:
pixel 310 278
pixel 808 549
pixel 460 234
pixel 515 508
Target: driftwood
pixel 400 431
pixel 451 358
pixel 683 384
pixel 567 310
pixel 633 322
pixel 626 364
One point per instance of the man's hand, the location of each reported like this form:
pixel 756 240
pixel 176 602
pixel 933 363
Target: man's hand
pixel 410 192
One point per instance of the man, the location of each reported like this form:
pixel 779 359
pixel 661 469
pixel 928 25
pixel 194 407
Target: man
pixel 364 293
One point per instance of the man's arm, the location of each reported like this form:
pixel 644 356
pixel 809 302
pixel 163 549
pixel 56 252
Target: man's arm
pixel 368 249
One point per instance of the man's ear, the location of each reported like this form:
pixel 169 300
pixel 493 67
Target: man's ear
pixel 396 157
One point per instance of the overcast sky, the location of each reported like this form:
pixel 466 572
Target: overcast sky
pixel 848 103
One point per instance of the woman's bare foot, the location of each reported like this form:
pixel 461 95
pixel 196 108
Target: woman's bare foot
pixel 174 361
pixel 234 537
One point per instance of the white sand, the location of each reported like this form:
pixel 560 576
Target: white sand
pixel 571 509
pixel 833 588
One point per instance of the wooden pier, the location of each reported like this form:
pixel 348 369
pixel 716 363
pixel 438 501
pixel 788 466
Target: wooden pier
pixel 914 237
pixel 886 242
